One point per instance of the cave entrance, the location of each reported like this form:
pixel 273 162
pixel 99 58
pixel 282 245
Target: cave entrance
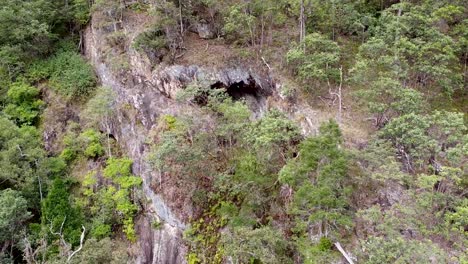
pixel 240 90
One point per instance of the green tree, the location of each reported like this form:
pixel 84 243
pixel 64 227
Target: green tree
pixel 24 104
pixel 318 178
pixel 13 216
pixel 379 71
pixel 23 161
pixel 115 198
pixel 400 250
pixel 102 252
pixel 24 32
pixel 264 245
pixel 59 215
pixel 99 110
pixel 316 59
pixel 67 72
pixel 438 139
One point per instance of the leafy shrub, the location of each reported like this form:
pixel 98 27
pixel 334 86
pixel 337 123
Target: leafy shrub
pixel 324 244
pixel 400 250
pixel 317 58
pixel 24 106
pixel 57 209
pixel 68 73
pixel 264 244
pixel 156 224
pixel 101 231
pixel 68 155
pixel 94 150
pixel 153 39
pixel 119 170
pixel 116 39
pixel 71 75
pixel 87 143
pixel 92 143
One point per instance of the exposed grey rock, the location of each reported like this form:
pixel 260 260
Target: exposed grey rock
pixel 205 30
pixel 159 244
pixel 171 79
pixel 144 93
pixel 139 106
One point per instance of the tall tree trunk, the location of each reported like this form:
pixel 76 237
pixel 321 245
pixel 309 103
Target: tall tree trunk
pixel 302 22
pixel 109 152
pixel 181 20
pixel 340 101
pixel 263 32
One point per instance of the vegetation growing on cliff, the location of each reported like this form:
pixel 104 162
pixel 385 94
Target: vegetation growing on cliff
pixel 261 191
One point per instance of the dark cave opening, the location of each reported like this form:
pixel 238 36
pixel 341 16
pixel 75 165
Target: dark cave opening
pixel 240 90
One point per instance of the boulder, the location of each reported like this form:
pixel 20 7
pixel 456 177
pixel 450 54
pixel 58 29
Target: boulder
pixel 205 30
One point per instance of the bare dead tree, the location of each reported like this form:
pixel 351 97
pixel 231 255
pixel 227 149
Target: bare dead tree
pixel 344 253
pixel 181 20
pixel 302 22
pixel 80 247
pixel 336 95
pixel 30 254
pixel 66 247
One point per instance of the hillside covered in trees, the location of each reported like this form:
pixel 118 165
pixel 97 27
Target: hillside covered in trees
pixel 233 131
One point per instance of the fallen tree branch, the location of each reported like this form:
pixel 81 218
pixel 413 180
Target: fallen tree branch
pixel 264 61
pixel 343 252
pixel 80 247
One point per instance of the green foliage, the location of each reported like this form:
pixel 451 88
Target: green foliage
pixel 151 40
pixel 68 73
pixel 407 55
pixel 23 107
pixel 100 107
pixel 324 244
pixel 21 157
pixel 239 23
pixel 68 155
pixel 440 136
pixel 400 250
pixel 156 224
pixel 118 168
pixel 24 32
pixel 91 139
pixel 458 219
pixel 58 211
pixel 94 150
pixel 264 245
pixel 102 252
pixel 334 17
pixel 316 252
pixel 13 215
pixel 110 205
pixel 244 22
pixel 274 129
pixel 81 10
pixel 381 163
pixel 101 231
pixel 204 237
pixel 260 192
pixel 317 58
pixel 318 177
pixel 87 144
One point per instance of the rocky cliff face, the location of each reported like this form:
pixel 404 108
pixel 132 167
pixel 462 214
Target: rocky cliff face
pixel 144 92
pixel 138 106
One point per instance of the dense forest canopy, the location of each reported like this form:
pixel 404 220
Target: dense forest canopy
pixel 259 188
